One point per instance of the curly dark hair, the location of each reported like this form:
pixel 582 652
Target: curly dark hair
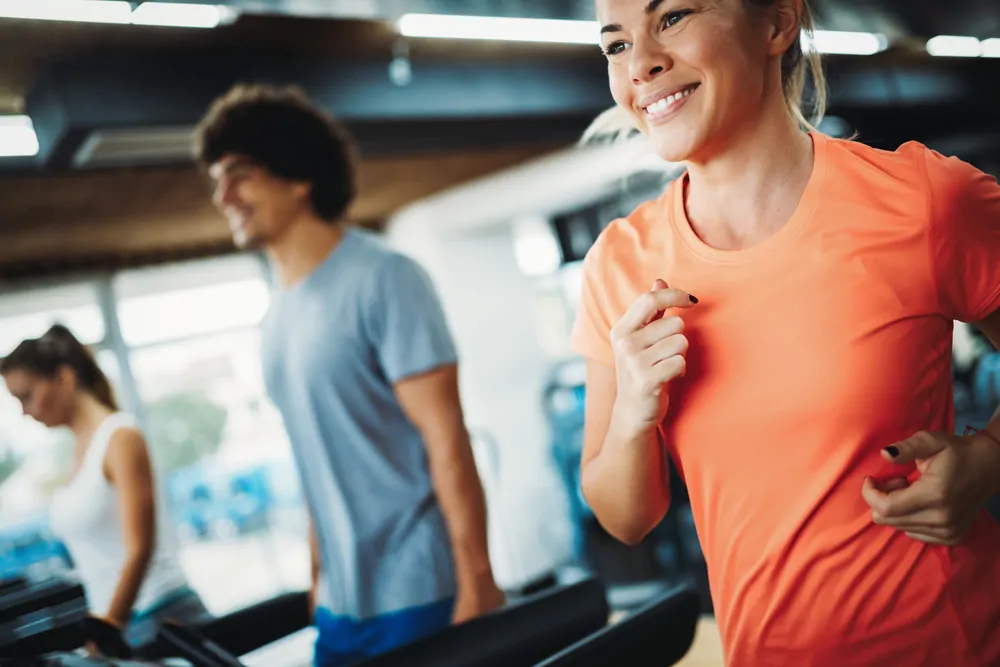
pixel 280 130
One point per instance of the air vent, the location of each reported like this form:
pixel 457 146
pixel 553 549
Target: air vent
pixel 113 148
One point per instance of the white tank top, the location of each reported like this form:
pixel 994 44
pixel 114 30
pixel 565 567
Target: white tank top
pixel 84 515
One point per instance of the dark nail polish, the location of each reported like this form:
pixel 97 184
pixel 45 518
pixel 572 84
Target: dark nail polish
pixel 892 451
pixel 693 298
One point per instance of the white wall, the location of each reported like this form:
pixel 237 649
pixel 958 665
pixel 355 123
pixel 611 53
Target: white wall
pixel 465 240
pixel 489 306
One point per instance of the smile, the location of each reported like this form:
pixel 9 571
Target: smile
pixel 668 104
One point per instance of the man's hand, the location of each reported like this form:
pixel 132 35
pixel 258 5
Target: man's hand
pixel 314 568
pixel 957 476
pixel 476 599
pixel 311 596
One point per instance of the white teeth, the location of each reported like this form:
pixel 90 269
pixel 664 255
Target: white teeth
pixel 657 107
pixel 661 105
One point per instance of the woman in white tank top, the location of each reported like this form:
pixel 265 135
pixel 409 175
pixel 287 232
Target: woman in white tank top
pixel 109 514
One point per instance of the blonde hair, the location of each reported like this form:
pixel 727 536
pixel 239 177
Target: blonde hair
pixel 797 68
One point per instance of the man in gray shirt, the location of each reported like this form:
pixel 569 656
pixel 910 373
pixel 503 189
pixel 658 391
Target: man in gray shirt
pixel 360 362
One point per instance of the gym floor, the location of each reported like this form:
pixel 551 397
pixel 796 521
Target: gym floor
pixel 707 648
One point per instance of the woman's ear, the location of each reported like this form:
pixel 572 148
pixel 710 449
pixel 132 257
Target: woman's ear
pixel 786 25
pixel 66 377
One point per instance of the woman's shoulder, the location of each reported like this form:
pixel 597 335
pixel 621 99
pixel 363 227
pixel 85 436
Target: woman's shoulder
pixel 124 435
pixel 912 162
pixel 122 423
pixel 939 183
pixel 853 156
pixel 645 227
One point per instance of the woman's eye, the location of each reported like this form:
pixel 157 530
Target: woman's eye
pixel 615 48
pixel 671 19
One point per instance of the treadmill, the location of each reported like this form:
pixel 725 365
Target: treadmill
pixel 554 628
pixel 659 633
pixel 560 628
pixel 41 616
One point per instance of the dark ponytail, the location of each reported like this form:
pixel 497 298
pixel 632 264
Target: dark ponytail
pixel 58 348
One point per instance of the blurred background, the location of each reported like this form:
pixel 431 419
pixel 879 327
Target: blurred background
pixel 469 164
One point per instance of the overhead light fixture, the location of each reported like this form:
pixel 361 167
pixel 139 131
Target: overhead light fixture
pixel 17 137
pixel 588 32
pixel 498 28
pixel 181 15
pixel 845 43
pixel 168 14
pixel 954 46
pixel 990 47
pixel 84 11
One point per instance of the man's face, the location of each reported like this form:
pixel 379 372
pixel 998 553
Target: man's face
pixel 258 205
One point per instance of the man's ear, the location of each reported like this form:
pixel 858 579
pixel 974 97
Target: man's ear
pixel 786 25
pixel 302 189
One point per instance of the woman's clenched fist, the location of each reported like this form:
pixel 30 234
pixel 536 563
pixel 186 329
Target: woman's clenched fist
pixel 649 352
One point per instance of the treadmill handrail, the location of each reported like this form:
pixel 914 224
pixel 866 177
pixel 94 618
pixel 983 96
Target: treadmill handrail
pixel 194 647
pixel 517 636
pixel 660 633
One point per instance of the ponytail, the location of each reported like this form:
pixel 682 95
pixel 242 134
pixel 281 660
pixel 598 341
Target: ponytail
pixel 59 348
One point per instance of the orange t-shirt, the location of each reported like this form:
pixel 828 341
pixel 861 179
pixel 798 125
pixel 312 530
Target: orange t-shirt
pixel 809 353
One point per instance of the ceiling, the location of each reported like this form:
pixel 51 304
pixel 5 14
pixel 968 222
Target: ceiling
pixel 924 18
pixel 113 107
pixel 104 219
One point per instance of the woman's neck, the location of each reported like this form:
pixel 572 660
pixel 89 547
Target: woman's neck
pixel 87 416
pixel 747 191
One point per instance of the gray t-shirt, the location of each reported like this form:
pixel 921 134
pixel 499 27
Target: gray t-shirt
pixel 334 345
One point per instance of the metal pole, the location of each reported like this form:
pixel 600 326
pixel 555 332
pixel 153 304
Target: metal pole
pixel 115 342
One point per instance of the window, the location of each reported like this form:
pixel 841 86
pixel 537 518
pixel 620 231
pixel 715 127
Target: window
pixel 220 447
pixel 29 314
pixel 193 311
pixel 169 303
pixel 181 348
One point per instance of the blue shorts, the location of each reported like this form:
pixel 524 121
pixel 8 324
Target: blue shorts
pixel 344 641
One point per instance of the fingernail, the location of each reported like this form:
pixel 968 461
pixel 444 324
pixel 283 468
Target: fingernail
pixel 892 451
pixel 693 298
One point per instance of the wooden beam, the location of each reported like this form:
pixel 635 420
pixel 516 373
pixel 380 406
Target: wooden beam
pixel 105 218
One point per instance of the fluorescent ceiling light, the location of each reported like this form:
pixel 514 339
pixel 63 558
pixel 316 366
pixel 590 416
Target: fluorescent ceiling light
pixel 17 137
pixel 501 29
pixel 845 43
pixel 88 11
pixel 991 47
pixel 588 32
pixel 179 15
pixel 952 45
